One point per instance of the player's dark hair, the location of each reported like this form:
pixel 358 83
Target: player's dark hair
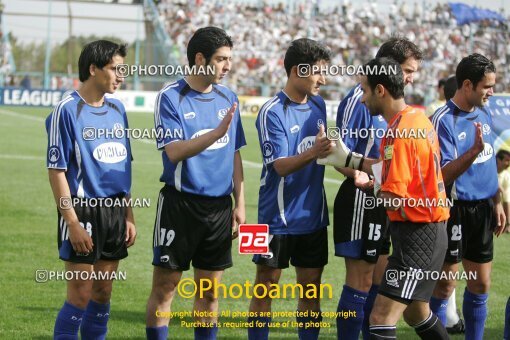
pixel 207 40
pixel 450 87
pixel 441 82
pixel 305 51
pixel 473 68
pixel 392 78
pixel 399 49
pixel 99 53
pixel 502 154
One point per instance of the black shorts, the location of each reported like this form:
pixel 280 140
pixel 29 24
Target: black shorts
pixel 470 231
pixel 105 225
pixel 417 257
pixel 360 228
pixel 192 228
pixel 305 251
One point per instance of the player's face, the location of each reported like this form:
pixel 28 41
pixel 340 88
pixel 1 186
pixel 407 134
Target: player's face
pixel 409 68
pixel 504 163
pixel 222 62
pixel 484 90
pixel 106 77
pixel 369 98
pixel 311 85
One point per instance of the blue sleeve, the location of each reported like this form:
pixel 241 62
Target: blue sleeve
pixel 324 112
pixel 272 137
pixel 167 123
pixel 351 116
pixel 60 139
pixel 446 142
pixel 128 141
pixel 240 138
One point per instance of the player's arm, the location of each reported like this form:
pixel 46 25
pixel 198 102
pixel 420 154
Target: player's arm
pixel 80 239
pixel 456 167
pixel 239 213
pixel 504 188
pixel 321 148
pixel 180 150
pixel 349 117
pixel 130 224
pixel 499 213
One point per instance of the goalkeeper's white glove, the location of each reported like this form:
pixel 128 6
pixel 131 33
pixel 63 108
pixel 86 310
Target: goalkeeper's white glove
pixel 342 157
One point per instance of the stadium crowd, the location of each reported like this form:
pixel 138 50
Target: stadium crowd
pixel 262 33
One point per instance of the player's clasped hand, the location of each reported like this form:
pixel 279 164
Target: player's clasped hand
pixel 322 146
pixel 80 239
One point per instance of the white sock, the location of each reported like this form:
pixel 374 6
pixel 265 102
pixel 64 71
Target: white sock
pixel 451 312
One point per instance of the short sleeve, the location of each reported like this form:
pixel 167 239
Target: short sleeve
pixel 272 138
pixel 240 138
pixel 351 117
pixel 60 139
pixel 446 143
pixel 167 123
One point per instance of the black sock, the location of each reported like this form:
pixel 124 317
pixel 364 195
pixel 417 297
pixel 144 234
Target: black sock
pixel 431 329
pixel 380 332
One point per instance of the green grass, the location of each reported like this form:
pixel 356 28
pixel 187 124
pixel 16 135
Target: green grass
pixel 28 238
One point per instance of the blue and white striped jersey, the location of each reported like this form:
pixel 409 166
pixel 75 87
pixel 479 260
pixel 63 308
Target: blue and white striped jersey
pixel 295 204
pixel 456 133
pixel 362 132
pixel 96 164
pixel 182 113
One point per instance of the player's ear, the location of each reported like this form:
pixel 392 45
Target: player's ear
pixel 468 84
pixel 379 90
pixel 92 69
pixel 199 59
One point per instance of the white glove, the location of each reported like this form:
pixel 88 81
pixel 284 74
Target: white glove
pixel 342 157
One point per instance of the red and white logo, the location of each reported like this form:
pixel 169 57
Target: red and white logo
pixel 253 239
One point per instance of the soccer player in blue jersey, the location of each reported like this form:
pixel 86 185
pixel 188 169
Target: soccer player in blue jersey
pixel 468 163
pixel 360 234
pixel 200 134
pixel 291 197
pixel 91 237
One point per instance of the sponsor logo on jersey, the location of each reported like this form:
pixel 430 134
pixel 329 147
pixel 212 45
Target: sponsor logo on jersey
pixel 111 152
pixel 319 123
pixel 486 129
pixel 485 155
pixel 189 115
pixel 222 113
pixel 305 144
pixel 294 129
pixel 117 126
pixel 462 136
pixel 220 143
